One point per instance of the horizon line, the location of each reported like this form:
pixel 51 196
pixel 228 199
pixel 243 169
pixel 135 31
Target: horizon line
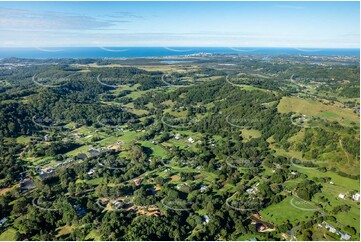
pixel 165 47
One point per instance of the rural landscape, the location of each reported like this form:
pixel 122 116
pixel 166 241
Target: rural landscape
pixel 197 147
pixel 180 120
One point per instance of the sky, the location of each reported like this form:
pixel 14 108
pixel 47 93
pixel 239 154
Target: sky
pixel 166 24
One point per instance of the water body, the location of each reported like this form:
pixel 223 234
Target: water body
pixel 129 52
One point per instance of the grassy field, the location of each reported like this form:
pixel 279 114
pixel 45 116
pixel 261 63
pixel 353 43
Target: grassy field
pixel 8 235
pixel 93 235
pixel 273 215
pixel 317 109
pixel 64 230
pixel 156 149
pixel 248 134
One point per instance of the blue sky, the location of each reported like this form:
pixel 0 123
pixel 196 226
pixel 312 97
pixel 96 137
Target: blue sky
pixel 229 24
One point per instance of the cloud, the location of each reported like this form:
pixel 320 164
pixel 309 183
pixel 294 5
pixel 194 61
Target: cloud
pixel 18 19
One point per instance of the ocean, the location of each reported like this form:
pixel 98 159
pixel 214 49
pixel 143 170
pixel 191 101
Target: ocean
pixel 129 52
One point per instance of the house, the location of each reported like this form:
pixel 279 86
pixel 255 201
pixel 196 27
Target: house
pixel 46 137
pixel 342 196
pixel 252 190
pixel 356 197
pixel 191 140
pixel 332 183
pixel 27 185
pixel 177 136
pixel 117 203
pixel 256 215
pixel 21 176
pixel 262 228
pixel 344 236
pixel 203 188
pixel 205 219
pixel 79 210
pixel 278 166
pixel 94 152
pixel 179 186
pixel 67 160
pixel 81 156
pixel 45 175
pixel 293 173
pixel 3 221
pixel 47 169
pixel 329 227
pixel 91 172
pixel 138 181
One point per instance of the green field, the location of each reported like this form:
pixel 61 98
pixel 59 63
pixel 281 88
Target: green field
pixel 283 211
pixel 317 109
pixel 8 235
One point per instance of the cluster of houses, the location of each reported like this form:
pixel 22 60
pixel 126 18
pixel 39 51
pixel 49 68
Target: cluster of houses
pixel 330 228
pixel 92 152
pixel 202 188
pixel 354 197
pixel 47 172
pixel 253 190
pixel 178 136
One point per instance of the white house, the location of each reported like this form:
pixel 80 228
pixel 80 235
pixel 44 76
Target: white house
pixel 91 172
pixel 206 219
pixel 331 182
pixel 177 136
pixel 342 196
pixel 179 186
pixel 329 227
pixel 344 236
pixel 191 140
pixel 356 197
pixel 203 188
pixel 3 221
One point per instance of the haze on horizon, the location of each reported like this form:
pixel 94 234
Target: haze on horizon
pixel 159 24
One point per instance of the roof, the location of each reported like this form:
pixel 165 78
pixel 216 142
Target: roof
pixel 2 221
pixel 81 156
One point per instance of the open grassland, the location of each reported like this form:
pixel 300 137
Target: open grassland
pixel 64 230
pixel 8 235
pixel 313 108
pixel 283 211
pixel 334 158
pixel 156 149
pixel 248 134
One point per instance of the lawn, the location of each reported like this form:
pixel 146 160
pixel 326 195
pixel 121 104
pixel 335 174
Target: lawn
pixel 283 211
pixel 23 139
pixel 8 235
pixel 156 149
pixel 317 109
pixel 93 235
pixel 248 134
pixel 64 230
